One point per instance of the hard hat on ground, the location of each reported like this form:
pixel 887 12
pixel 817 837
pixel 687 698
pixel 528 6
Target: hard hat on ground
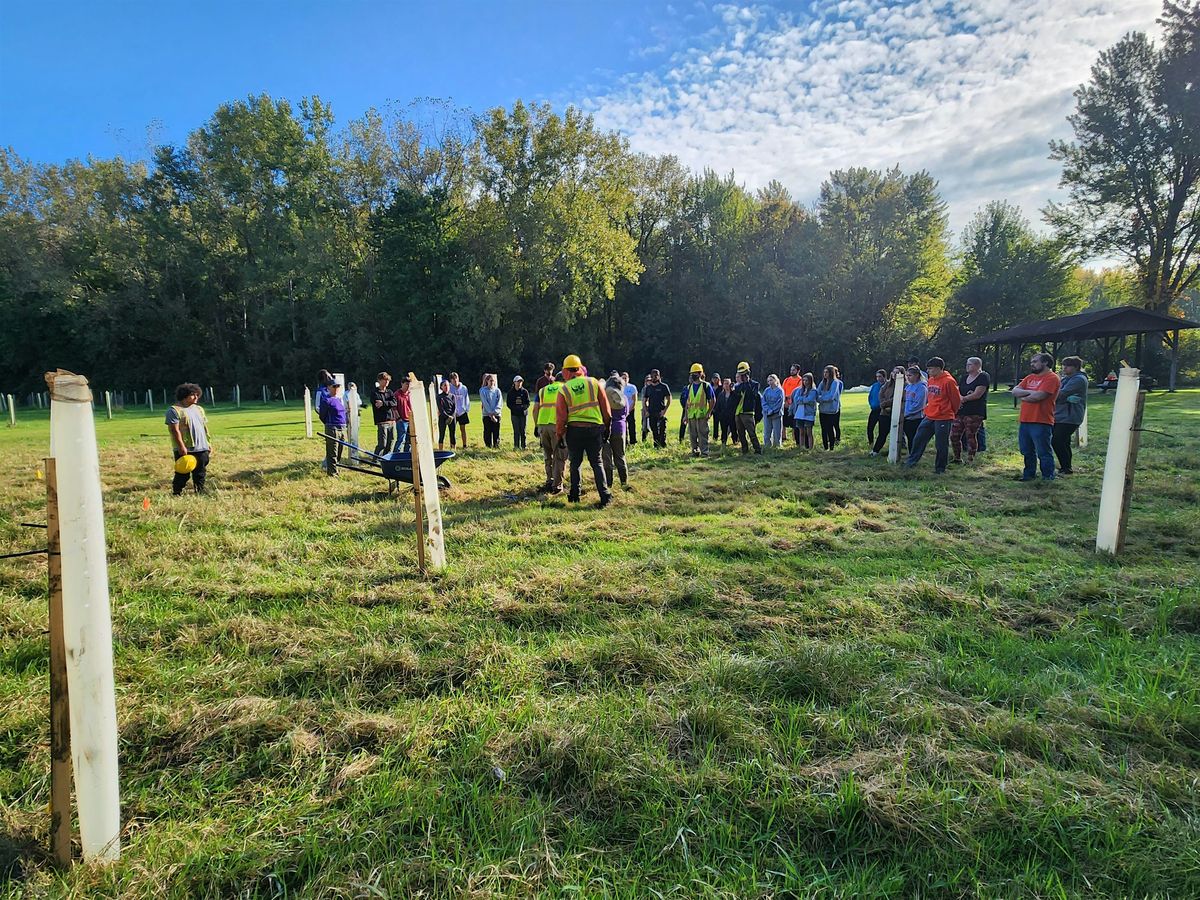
pixel 696 367
pixel 743 367
pixel 185 464
pixel 572 362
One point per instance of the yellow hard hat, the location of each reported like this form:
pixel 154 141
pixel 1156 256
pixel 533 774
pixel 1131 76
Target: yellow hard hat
pixel 572 362
pixel 696 367
pixel 743 367
pixel 185 464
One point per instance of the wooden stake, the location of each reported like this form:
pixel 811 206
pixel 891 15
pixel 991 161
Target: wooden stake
pixel 1135 441
pixel 60 706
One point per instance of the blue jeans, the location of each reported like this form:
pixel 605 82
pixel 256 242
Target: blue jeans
pixel 1034 441
pixel 402 435
pixel 939 430
pixel 773 430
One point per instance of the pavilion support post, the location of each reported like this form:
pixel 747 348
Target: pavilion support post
pixel 1173 340
pixel 996 369
pixel 1137 352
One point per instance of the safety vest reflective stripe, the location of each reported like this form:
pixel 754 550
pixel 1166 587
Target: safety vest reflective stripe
pixel 546 400
pixel 583 402
pixel 697 402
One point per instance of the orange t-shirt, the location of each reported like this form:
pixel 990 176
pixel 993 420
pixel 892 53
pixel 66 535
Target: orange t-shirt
pixel 790 384
pixel 942 398
pixel 1042 411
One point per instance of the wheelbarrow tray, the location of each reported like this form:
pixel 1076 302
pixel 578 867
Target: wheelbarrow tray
pixel 398 466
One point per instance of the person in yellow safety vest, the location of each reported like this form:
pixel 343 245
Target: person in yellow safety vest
pixel 698 401
pixel 582 419
pixel 554 451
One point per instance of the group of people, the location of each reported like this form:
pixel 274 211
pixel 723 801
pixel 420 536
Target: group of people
pixel 936 406
pixel 577 417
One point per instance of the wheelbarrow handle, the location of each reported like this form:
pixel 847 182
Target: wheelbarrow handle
pixel 355 447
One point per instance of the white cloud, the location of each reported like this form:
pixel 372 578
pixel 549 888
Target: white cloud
pixel 971 91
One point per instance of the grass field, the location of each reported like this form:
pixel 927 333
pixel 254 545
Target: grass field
pixel 798 675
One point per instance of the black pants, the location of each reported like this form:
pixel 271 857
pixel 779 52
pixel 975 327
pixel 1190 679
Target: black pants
pixel 491 430
pixel 939 430
pixel 1060 442
pixel 658 427
pixel 831 429
pixel 518 427
pixel 874 420
pixel 198 474
pixel 581 440
pixel 885 426
pixel 683 426
pixel 910 430
pixel 446 423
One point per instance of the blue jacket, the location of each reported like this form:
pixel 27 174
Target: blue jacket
pixel 804 404
pixel 772 401
pixel 873 395
pixel 830 399
pixel 332 410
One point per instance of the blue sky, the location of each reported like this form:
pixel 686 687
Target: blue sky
pixel 971 90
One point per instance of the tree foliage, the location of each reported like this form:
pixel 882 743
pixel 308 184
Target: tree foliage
pixel 1133 169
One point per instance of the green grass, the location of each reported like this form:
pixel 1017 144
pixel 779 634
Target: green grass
pixel 750 677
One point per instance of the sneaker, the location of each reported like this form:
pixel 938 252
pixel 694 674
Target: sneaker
pixel 554 492
pixel 956 461
pixel 1066 471
pixel 571 499
pixel 604 501
pixel 1023 478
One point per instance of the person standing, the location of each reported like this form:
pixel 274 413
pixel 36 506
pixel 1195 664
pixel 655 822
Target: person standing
pixel 723 412
pixel 1037 393
pixel 942 402
pixel 612 454
pixel 518 410
pixel 546 378
pixel 972 413
pixel 747 409
pixel 698 403
pixel 829 404
pixel 332 412
pixel 874 419
pixel 804 411
pixel 914 403
pixel 383 410
pixel 1069 409
pixel 773 402
pixel 887 399
pixel 554 451
pixel 645 409
pixel 403 414
pixel 462 406
pixel 490 399
pixel 658 401
pixel 683 418
pixel 789 387
pixel 630 392
pixel 582 419
pixel 445 405
pixel 187 425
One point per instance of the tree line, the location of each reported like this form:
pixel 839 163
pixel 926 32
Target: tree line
pixel 273 242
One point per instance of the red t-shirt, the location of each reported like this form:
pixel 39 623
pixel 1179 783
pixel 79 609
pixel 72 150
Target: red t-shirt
pixel 1041 412
pixel 942 398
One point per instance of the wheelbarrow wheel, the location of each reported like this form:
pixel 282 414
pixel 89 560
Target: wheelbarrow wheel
pixel 444 482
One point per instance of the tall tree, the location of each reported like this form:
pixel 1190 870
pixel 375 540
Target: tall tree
pixel 1009 274
pixel 1133 169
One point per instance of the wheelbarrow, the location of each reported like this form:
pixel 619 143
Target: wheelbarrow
pixel 396 467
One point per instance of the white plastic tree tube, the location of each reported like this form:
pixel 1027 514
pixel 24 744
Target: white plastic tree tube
pixel 1120 439
pixel 353 407
pixel 422 444
pixel 87 622
pixel 308 431
pixel 894 426
pixel 1081 433
pixel 12 411
pixel 283 395
pixel 150 399
pixel 237 395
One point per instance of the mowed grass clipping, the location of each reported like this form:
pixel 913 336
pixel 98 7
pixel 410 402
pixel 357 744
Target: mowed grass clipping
pixel 798 674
